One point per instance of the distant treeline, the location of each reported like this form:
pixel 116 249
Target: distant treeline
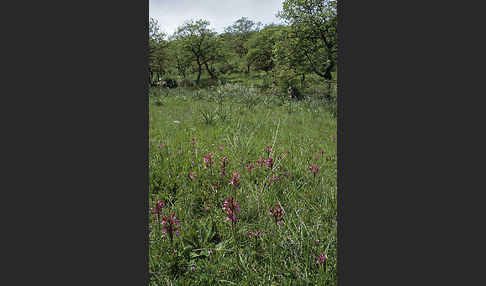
pixel 305 44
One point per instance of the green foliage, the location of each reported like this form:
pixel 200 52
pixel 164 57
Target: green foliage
pixel 158 58
pixel 282 56
pixel 181 59
pixel 260 47
pixel 239 34
pixel 209 116
pixel 205 48
pixel 159 101
pixel 311 43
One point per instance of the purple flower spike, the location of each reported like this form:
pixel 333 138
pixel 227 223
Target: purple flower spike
pixel 231 208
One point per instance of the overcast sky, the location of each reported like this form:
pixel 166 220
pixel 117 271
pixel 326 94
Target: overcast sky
pixel 220 13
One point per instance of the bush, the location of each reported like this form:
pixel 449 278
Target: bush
pixel 207 82
pixel 169 83
pixel 287 82
pixel 295 93
pixel 186 83
pixel 227 68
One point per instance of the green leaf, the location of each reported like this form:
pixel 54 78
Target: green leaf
pixel 243 262
pixel 190 242
pixel 220 245
pixel 210 233
pixel 194 255
pixel 205 252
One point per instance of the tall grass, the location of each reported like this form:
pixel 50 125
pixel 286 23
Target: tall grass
pixel 208 251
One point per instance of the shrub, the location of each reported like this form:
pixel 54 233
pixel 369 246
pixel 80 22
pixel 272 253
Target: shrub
pixel 169 83
pixel 294 93
pixel 186 83
pixel 227 68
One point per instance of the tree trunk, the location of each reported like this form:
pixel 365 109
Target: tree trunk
pixel 248 69
pixel 327 73
pixel 329 87
pixel 151 78
pixel 213 76
pixel 198 72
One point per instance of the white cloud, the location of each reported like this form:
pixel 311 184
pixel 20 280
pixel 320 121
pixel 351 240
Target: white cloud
pixel 220 13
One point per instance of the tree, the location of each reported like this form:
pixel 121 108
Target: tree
pixel 201 42
pixel 261 46
pixel 181 59
pixel 314 30
pixel 216 55
pixel 157 52
pixel 290 57
pixel 239 33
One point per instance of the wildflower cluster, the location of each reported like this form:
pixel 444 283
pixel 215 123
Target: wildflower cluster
pixel 321 260
pixel 269 162
pixel 170 224
pixel 273 179
pixel 260 162
pixel 314 169
pixel 224 163
pixel 208 161
pixel 277 214
pixel 235 180
pixel 157 209
pixel 268 149
pixel 231 208
pixel 255 235
pixel 193 141
pixel 249 167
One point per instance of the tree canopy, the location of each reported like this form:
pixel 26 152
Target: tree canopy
pixel 314 32
pixel 304 44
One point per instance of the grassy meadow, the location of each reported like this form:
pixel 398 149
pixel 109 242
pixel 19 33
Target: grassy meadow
pixel 242 188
